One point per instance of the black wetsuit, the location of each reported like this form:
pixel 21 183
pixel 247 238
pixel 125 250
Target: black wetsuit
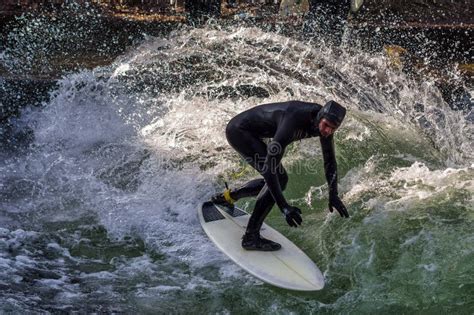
pixel 283 123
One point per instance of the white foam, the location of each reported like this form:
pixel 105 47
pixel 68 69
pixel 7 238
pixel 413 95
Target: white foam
pixel 407 186
pixel 429 267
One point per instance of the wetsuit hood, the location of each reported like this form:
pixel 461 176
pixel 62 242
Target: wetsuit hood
pixel 332 111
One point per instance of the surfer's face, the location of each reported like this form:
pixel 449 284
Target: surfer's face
pixel 326 127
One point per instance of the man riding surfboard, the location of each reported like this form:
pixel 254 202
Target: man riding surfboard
pixel 284 123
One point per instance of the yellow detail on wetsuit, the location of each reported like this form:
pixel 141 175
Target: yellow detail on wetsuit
pixel 227 196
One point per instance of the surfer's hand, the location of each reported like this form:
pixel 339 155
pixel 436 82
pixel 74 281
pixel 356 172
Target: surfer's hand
pixel 335 202
pixel 292 216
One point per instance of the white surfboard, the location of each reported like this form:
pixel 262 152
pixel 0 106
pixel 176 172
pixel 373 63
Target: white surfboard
pixel 288 268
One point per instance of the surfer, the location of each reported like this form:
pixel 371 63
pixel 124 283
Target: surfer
pixel 284 123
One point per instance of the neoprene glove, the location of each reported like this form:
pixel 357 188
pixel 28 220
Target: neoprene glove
pixel 335 202
pixel 292 216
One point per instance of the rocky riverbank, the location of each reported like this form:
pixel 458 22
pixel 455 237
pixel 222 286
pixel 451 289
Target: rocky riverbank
pixel 432 35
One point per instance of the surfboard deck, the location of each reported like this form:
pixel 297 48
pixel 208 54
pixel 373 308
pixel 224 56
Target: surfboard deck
pixel 288 268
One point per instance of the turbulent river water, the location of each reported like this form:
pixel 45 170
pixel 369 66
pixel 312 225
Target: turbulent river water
pixel 98 212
